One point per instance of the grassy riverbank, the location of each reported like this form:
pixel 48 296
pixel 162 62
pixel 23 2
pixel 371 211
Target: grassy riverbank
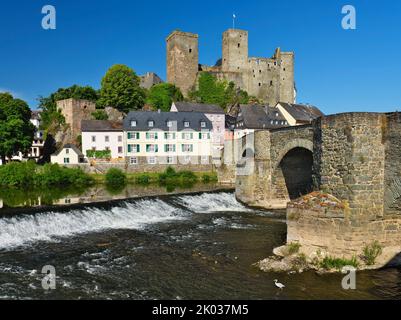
pixel 29 175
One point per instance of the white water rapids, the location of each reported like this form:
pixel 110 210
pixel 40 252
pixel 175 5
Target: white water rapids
pixel 51 226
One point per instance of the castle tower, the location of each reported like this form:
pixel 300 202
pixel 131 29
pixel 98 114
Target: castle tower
pixel 182 60
pixel 235 50
pixel 74 111
pixel 287 84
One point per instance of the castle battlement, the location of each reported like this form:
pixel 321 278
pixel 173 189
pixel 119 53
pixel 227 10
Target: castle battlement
pixel 269 79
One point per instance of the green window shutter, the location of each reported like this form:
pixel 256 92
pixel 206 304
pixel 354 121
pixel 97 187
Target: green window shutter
pixel 137 135
pixel 192 148
pixel 157 148
pixel 129 135
pixel 138 148
pixel 129 147
pixel 183 136
pixel 165 147
pixel 147 135
pixel 173 135
pixel 182 148
pixel 200 135
pixel 174 148
pixel 192 135
pixel 165 136
pixel 156 136
pixel 208 136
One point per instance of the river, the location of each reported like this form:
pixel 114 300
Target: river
pixel 199 246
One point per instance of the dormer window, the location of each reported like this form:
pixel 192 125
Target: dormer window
pixel 151 124
pixel 133 123
pixel 203 124
pixel 169 124
pixel 186 124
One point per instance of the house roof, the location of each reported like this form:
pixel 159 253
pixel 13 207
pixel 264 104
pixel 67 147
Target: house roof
pixel 101 125
pixel 260 117
pixel 160 120
pixel 69 146
pixel 198 107
pixel 301 112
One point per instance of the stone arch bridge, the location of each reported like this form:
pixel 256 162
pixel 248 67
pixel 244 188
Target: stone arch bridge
pixel 275 166
pixel 353 163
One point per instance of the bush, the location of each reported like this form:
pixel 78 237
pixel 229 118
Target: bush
pixel 337 263
pixel 29 174
pixel 207 178
pixel 143 178
pixel 170 176
pixel 18 174
pixel 371 252
pixel 116 177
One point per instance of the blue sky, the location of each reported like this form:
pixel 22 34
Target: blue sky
pixel 337 70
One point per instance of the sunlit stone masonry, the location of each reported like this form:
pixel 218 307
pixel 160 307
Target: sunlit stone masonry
pixel 355 175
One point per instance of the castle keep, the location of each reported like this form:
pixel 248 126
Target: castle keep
pixel 271 80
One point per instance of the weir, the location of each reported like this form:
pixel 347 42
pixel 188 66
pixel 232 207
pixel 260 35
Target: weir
pixel 355 173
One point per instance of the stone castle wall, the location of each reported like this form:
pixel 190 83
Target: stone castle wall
pixel 349 160
pixel 74 111
pixel 392 173
pixel 269 79
pixel 358 161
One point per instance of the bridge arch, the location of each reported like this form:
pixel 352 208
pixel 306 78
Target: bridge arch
pixel 292 169
pixel 297 143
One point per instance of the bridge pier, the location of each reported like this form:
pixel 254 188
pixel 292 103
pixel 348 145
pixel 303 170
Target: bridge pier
pixel 357 159
pixel 356 177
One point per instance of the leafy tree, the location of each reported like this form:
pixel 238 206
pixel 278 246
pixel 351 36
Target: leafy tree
pixel 120 89
pixel 162 95
pixel 16 130
pixel 214 91
pixel 51 117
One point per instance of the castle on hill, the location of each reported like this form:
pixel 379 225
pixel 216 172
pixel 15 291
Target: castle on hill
pixel 271 80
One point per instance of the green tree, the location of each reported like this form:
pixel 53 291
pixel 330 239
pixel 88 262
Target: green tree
pixel 16 130
pixel 162 95
pixel 120 89
pixel 214 91
pixel 51 117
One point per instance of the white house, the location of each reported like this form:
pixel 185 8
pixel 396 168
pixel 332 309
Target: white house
pixel 167 138
pixel 101 135
pixel 68 154
pixel 214 113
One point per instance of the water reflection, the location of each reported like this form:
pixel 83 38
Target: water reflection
pixel 18 198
